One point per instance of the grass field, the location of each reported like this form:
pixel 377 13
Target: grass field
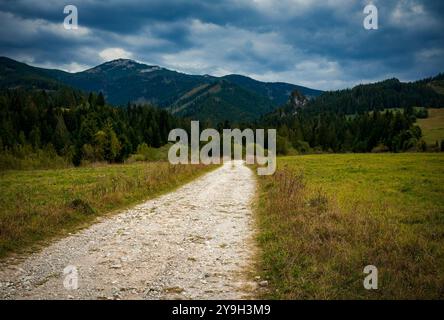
pixel 39 204
pixel 323 218
pixel 433 126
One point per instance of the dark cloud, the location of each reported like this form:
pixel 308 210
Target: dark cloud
pixel 317 43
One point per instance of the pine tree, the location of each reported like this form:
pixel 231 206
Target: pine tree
pixel 112 145
pixel 61 136
pixel 100 100
pixel 91 100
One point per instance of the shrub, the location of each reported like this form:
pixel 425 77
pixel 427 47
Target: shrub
pixel 81 206
pixel 380 148
pixel 26 158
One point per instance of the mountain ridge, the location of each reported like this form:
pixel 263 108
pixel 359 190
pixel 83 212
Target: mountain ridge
pixel 126 80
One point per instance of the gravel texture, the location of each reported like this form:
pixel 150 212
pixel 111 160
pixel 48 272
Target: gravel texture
pixel 193 243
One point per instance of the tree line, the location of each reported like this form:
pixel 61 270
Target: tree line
pixel 79 127
pixel 382 95
pixel 67 123
pixel 336 132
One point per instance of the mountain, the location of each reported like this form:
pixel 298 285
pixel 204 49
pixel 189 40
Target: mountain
pixel 387 94
pixel 14 74
pixel 436 83
pixel 219 101
pixel 125 80
pixel 203 97
pixel 277 92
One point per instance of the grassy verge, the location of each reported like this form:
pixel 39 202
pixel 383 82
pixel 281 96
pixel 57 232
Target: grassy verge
pixel 433 126
pixel 40 204
pixel 323 218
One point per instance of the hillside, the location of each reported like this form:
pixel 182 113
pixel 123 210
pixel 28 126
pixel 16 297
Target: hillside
pixel 196 96
pixel 433 126
pixel 390 94
pixel 386 94
pixel 126 80
pixel 14 74
pixel 277 92
pixel 218 101
pixel 436 83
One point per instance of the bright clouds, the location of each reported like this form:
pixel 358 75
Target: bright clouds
pixel 114 53
pixel 317 43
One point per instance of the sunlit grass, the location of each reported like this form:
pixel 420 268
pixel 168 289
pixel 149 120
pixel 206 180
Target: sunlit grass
pixel 433 126
pixel 38 204
pixel 348 211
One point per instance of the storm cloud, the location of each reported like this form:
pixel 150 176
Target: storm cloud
pixel 320 44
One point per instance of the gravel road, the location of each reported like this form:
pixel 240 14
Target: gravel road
pixel 193 243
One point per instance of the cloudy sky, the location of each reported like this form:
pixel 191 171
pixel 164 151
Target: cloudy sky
pixel 318 43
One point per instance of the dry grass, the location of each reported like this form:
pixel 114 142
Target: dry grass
pixel 433 126
pixel 313 247
pixel 39 204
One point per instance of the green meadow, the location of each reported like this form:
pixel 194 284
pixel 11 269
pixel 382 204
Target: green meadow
pixel 39 204
pixel 433 126
pixel 323 218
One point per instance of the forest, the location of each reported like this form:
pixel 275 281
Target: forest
pixel 327 131
pixel 68 124
pixel 65 126
pixel 382 95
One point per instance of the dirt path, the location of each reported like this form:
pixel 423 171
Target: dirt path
pixel 194 243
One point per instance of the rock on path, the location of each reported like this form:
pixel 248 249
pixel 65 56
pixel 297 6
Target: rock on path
pixel 193 243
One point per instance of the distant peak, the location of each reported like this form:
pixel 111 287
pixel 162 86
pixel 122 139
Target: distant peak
pixel 121 61
pixel 128 63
